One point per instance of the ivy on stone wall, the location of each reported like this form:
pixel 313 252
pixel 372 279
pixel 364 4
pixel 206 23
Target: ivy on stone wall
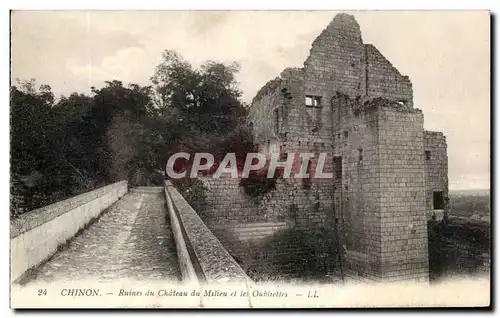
pixel 258 184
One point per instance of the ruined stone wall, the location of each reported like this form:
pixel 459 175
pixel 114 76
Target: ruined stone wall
pixel 262 115
pixel 339 62
pixel 309 203
pixel 384 80
pixel 436 167
pixel 328 69
pixel 336 61
pixel 258 232
pixel 227 203
pixel 357 193
pixel 380 199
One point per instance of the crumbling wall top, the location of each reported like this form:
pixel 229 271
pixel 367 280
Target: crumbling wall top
pixel 267 88
pixel 382 102
pixel 434 134
pixel 344 21
pixel 291 72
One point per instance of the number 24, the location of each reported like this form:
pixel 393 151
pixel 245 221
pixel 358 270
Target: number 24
pixel 42 292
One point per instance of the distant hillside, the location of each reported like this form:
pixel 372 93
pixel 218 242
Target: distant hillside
pixel 472 192
pixel 473 203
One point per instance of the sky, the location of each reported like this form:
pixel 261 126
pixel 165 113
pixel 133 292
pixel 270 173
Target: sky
pixel 446 54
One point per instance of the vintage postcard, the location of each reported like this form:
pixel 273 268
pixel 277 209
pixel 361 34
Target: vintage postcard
pixel 250 159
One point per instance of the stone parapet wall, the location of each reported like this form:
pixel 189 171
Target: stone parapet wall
pixel 35 235
pixel 251 231
pixel 199 248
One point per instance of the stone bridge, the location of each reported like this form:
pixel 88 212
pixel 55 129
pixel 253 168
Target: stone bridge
pixel 113 233
pixel 152 234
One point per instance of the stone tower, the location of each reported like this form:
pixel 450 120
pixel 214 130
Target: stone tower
pixel 390 174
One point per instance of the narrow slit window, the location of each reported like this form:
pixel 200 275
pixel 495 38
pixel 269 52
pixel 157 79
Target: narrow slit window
pixel 337 163
pixel 317 101
pixel 438 200
pixel 276 121
pixel 427 155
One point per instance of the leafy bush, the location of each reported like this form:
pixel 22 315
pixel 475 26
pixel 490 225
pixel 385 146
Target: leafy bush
pixel 258 184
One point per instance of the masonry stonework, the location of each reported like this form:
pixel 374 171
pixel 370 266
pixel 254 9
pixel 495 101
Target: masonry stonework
pixel 436 172
pixel 350 102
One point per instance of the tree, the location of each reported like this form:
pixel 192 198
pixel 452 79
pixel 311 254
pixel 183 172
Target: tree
pixel 117 122
pixel 206 99
pixel 198 108
pixel 79 142
pixel 59 149
pixel 30 117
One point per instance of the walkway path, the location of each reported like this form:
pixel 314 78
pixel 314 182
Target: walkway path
pixel 132 240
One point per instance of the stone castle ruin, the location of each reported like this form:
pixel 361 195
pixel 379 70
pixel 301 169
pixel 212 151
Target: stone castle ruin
pixel 390 175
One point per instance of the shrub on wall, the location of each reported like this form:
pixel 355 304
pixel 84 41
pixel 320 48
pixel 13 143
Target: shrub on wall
pixel 258 184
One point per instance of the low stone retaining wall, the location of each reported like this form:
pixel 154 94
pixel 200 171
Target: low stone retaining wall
pixel 227 202
pixel 251 231
pixel 35 235
pixel 201 255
